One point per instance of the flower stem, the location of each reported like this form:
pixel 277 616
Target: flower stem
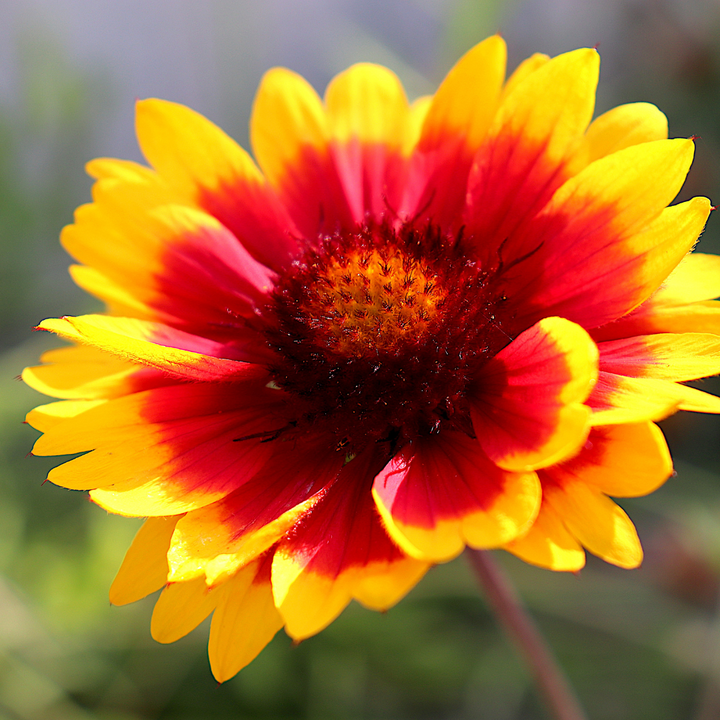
pixel 502 597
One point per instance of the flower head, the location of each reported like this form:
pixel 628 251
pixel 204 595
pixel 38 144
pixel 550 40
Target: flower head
pixel 409 328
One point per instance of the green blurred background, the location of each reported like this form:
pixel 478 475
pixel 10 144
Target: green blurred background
pixel 640 644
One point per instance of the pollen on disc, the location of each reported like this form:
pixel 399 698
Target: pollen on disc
pixel 378 332
pixel 371 301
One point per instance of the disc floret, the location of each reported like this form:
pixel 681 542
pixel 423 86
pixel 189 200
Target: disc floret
pixel 379 332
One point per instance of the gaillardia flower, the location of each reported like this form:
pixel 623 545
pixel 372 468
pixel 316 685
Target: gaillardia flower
pixel 407 329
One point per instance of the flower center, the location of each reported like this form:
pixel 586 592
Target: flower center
pixel 371 302
pixel 378 333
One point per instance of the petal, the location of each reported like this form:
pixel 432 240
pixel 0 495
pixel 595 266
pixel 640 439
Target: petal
pixel 228 534
pixel 288 118
pixel 367 103
pixel 290 136
pixel 189 465
pixel 595 521
pixel 203 270
pixel 553 104
pixel 696 278
pixel 244 621
pixel 683 303
pixel 419 109
pixel 180 608
pixel 169 261
pixel 456 123
pixel 440 494
pixel 340 551
pixel 204 165
pixel 144 568
pixel 140 187
pixel 621 460
pixel 46 417
pixel 667 356
pixel 522 162
pixel 620 399
pixel 112 235
pixel 187 149
pixel 548 544
pixel 174 352
pixel 523 70
pixel 637 183
pixel 604 243
pixel 165 451
pixel 89 373
pixel 117 298
pixel 617 129
pixel 112 168
pixel 626 460
pixel 368 118
pixel 384 582
pixel 527 404
pixel 655 318
pixel 465 103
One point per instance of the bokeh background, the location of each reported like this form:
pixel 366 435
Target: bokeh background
pixel 640 644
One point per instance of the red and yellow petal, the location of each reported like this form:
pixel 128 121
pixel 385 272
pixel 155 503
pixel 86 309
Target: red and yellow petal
pixel 703 317
pixel 369 122
pixel 220 538
pixel 45 417
pixel 186 149
pixel 114 169
pixel 209 169
pixel 288 120
pixel 620 399
pixel 118 300
pixel 667 356
pixel 334 163
pixel 418 112
pixel 290 137
pixel 639 376
pixel 340 551
pixel 367 103
pixel 527 404
pixel 552 105
pixel 606 241
pixel 88 373
pixel 169 263
pixel 443 493
pixel 621 460
pixel 382 583
pixel 683 303
pixel 465 104
pixel 696 278
pixel 700 317
pixel 457 121
pixel 522 71
pixel 173 352
pixel 186 446
pixel 522 161
pixel 244 616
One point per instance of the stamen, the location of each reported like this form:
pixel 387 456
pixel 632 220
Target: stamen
pixel 378 331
